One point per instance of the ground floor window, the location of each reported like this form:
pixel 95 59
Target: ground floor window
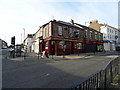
pixel 61 44
pixel 100 47
pixel 46 45
pixel 79 45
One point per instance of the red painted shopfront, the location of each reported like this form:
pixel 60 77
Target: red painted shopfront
pixel 55 46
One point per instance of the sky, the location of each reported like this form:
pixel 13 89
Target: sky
pixel 31 14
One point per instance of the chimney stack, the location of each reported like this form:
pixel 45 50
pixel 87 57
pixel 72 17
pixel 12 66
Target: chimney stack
pixel 72 21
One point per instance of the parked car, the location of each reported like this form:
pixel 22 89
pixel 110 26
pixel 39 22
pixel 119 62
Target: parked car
pixel 118 48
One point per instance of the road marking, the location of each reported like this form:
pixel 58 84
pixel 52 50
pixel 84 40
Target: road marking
pixel 45 75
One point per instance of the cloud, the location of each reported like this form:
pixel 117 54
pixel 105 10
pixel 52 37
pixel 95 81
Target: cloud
pixel 30 14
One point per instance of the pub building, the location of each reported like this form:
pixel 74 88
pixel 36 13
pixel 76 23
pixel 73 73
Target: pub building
pixel 59 37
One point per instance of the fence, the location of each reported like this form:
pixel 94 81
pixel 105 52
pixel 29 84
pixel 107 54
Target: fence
pixel 100 79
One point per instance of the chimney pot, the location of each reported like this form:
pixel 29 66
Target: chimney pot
pixel 72 21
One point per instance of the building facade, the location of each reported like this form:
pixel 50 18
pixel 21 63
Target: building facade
pixel 3 44
pixel 93 40
pixel 28 42
pixel 37 40
pixel 110 37
pixel 59 37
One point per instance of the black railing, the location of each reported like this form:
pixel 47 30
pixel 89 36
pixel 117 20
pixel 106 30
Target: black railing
pixel 101 79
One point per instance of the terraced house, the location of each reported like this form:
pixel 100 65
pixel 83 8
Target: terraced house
pixel 60 37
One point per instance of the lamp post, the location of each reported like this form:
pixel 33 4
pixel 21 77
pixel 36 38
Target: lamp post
pixel 63 47
pixel 24 43
pixel 21 38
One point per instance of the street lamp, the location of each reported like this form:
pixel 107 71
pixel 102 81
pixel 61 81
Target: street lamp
pixel 63 48
pixel 24 43
pixel 21 38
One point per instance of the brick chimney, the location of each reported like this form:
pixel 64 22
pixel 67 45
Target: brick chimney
pixel 72 21
pixel 93 21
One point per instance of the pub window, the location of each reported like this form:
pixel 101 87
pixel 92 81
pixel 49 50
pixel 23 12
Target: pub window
pixel 99 36
pixel 65 28
pixel 79 45
pixel 46 45
pixel 76 33
pixel 70 32
pixel 61 45
pixel 90 35
pixel 60 30
pixel 86 33
pixel 95 35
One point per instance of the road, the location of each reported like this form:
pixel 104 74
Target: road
pixel 34 73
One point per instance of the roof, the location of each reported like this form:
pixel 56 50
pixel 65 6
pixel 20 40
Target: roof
pixel 85 27
pixel 75 25
pixel 69 24
pixel 112 27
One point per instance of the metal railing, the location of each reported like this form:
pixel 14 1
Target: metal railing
pixel 101 79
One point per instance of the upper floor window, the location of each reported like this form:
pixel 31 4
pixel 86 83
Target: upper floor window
pixel 115 32
pixel 108 29
pixel 99 36
pixel 70 32
pixel 76 33
pixel 45 32
pixel 108 36
pixel 85 33
pixel 95 35
pixel 60 30
pixel 90 35
pixel 40 32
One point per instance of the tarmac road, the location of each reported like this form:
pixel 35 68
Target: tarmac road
pixel 36 73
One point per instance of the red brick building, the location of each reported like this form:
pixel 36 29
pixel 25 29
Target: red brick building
pixel 61 37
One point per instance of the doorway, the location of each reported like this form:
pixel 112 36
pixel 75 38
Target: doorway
pixel 72 48
pixel 53 47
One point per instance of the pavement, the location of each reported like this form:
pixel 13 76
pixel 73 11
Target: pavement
pixel 72 56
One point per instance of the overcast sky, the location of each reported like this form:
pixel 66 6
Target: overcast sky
pixel 30 14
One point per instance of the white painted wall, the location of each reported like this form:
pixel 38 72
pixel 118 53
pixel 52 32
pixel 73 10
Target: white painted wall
pixel 109 33
pixel 28 42
pixel 36 45
pixel 0 43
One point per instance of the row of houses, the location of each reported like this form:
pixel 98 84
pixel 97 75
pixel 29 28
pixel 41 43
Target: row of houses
pixel 111 35
pixel 58 37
